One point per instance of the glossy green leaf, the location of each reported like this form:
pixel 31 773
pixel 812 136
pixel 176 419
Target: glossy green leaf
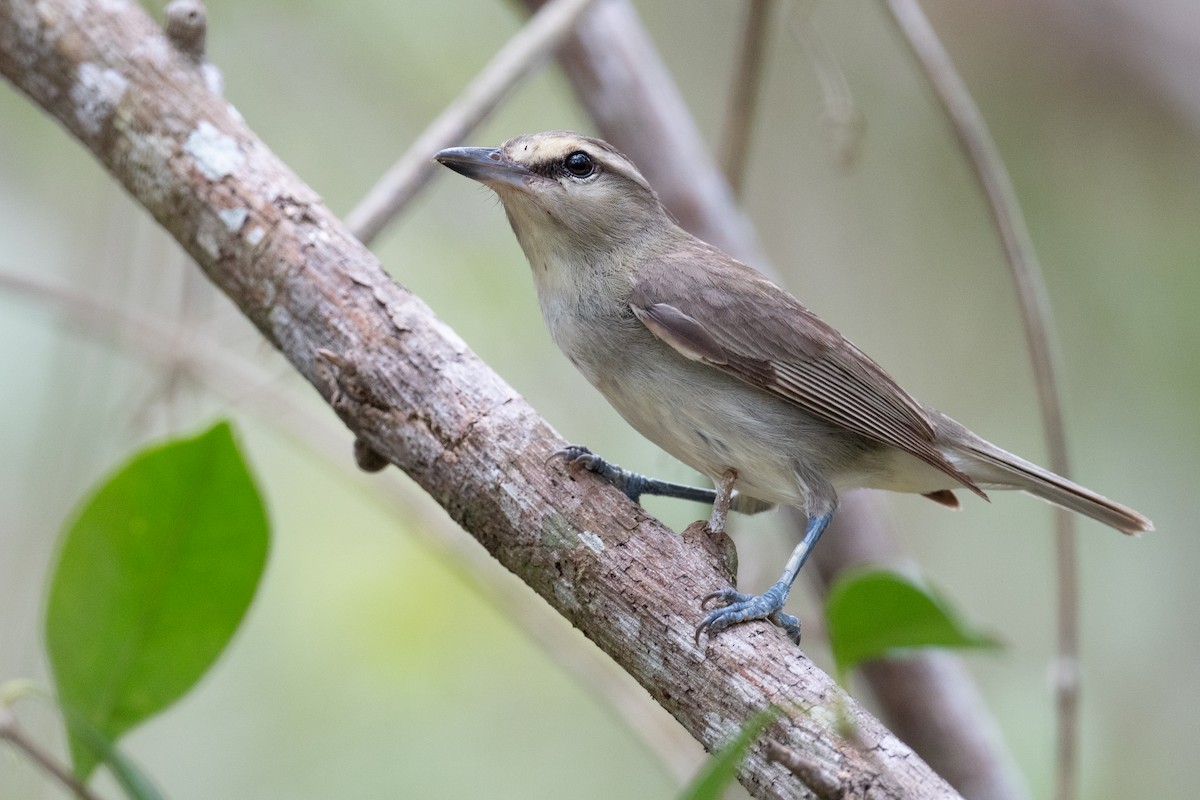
pixel 722 768
pixel 872 613
pixel 156 571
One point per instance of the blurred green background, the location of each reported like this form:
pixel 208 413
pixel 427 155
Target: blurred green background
pixel 368 667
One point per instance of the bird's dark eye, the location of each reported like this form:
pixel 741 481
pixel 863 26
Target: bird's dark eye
pixel 579 164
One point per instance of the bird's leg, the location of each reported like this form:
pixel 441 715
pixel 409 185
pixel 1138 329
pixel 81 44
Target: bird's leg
pixel 635 485
pixel 768 605
pixel 724 496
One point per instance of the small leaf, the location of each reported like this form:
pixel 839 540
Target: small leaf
pixel 722 768
pixel 155 574
pixel 872 612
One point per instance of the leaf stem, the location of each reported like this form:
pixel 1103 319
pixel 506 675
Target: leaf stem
pixel 12 732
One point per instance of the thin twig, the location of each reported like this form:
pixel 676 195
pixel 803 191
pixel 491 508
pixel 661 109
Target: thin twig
pixel 743 97
pixel 12 732
pixel 984 157
pixel 187 351
pixel 528 48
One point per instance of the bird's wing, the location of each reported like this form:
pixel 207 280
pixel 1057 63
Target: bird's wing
pixel 732 318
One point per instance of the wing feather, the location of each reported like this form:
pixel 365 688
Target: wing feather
pixel 721 316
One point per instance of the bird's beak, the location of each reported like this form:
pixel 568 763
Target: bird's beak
pixel 484 164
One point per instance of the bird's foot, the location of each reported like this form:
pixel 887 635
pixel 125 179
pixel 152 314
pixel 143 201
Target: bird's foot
pixel 635 485
pixel 578 457
pixel 746 607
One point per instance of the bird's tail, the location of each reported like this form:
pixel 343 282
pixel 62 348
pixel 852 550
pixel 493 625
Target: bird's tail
pixel 995 468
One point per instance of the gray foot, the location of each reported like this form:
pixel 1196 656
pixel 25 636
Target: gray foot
pixel 746 607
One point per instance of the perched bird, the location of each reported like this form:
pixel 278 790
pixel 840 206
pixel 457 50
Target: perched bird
pixel 723 369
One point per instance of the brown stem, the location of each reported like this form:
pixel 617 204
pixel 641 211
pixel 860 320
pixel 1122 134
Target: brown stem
pixel 12 732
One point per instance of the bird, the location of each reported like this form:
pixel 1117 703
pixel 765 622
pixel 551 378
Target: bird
pixel 723 369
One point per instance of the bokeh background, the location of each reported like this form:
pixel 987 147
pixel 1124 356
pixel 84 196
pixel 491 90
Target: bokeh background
pixel 368 666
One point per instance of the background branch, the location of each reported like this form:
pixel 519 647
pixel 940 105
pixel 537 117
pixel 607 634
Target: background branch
pixel 743 95
pixel 984 157
pixel 413 391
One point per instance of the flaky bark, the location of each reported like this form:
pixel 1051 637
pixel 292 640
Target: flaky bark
pixel 406 385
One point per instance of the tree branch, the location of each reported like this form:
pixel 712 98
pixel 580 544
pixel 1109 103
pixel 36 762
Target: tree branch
pixel 413 391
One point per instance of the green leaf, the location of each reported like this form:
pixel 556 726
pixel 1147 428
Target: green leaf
pixel 722 768
pixel 873 612
pixel 155 574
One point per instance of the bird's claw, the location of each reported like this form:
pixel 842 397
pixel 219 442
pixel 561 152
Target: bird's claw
pixel 575 457
pixel 745 607
pixel 730 596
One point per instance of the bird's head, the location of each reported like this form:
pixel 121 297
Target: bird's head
pixel 564 193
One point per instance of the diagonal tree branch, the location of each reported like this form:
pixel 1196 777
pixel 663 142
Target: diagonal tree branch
pixel 411 389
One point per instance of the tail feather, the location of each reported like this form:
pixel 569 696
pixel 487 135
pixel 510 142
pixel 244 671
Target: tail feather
pixel 1000 469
